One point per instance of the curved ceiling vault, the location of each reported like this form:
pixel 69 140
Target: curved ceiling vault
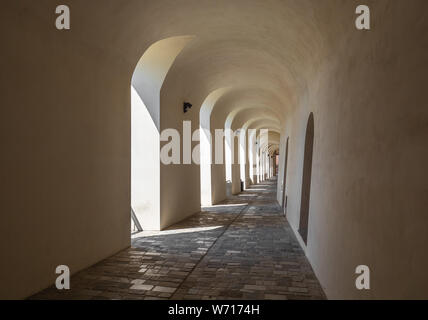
pixel 264 64
pixel 266 61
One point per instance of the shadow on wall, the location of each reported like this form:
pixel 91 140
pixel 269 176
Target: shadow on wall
pixel 284 182
pixel 306 180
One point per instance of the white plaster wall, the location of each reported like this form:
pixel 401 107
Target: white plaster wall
pixel 368 190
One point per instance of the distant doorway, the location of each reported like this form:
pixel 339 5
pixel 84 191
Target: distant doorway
pixel 306 180
pixel 284 181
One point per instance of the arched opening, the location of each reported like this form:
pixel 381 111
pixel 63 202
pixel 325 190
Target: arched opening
pixel 232 150
pixel 306 180
pixel 146 84
pixel 252 155
pixel 284 181
pixel 242 158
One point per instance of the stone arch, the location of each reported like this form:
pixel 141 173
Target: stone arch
pixel 206 144
pixel 146 84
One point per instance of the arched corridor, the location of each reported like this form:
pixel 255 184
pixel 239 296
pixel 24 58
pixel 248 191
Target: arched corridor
pixel 266 149
pixel 242 248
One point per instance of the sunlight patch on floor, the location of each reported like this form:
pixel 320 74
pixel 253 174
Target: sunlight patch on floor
pixel 144 234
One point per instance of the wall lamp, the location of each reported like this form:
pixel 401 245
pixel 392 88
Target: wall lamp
pixel 186 106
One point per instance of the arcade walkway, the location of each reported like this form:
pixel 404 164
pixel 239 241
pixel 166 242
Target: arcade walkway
pixel 240 249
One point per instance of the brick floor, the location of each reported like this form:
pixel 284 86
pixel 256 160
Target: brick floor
pixel 242 248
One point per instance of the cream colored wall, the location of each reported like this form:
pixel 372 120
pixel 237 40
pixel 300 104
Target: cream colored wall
pixel 65 164
pixel 219 183
pixel 368 192
pixel 180 189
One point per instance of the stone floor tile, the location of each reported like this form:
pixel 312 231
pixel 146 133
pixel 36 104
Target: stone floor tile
pixel 242 248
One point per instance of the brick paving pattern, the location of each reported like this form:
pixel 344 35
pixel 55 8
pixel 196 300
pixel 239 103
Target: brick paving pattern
pixel 242 248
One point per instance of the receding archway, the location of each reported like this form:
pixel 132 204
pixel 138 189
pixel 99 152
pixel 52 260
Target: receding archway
pixel 306 179
pixel 206 146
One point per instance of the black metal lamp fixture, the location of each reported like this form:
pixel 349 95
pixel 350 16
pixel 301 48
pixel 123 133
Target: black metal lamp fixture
pixel 186 106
